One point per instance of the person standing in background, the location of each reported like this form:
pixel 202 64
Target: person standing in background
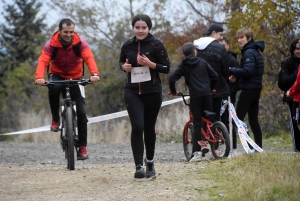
pixel 233 87
pixel 249 74
pixel 289 70
pixel 143 58
pixel 213 52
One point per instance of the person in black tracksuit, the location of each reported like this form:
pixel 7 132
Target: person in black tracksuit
pixel 143 55
pixel 250 75
pixel 201 79
pixel 289 68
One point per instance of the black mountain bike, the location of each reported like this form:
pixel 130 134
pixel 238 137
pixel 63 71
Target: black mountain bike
pixel 69 130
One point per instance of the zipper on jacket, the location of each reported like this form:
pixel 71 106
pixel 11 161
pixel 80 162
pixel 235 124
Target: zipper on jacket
pixel 139 84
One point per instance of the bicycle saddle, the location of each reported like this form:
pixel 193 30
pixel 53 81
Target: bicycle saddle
pixel 209 114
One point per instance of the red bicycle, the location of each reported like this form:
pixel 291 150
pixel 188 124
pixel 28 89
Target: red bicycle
pixel 216 134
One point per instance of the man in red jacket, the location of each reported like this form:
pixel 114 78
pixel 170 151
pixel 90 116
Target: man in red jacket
pixel 64 53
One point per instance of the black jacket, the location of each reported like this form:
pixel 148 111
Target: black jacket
pixel 218 58
pixel 156 53
pixel 233 86
pixel 251 68
pixel 199 76
pixel 289 68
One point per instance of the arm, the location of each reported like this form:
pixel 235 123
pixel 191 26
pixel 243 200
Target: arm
pixel 248 66
pixel 88 57
pixel 288 73
pixel 42 65
pixel 163 64
pixel 176 75
pixel 213 76
pixel 124 65
pixel 225 63
pixel 296 86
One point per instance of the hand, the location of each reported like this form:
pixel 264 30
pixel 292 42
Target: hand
pixel 94 78
pixel 173 94
pixel 40 81
pixel 232 78
pixel 288 94
pixel 143 60
pixel 127 66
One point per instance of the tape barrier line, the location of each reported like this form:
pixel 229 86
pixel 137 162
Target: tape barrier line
pixel 91 120
pixel 242 130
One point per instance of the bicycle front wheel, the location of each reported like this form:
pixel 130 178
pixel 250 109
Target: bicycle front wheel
pixel 187 140
pixel 70 138
pixel 221 148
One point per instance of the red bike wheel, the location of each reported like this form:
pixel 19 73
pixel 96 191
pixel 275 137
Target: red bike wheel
pixel 221 148
pixel 187 137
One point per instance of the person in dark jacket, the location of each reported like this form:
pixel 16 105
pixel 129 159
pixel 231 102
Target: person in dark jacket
pixel 233 87
pixel 250 75
pixel 200 79
pixel 210 49
pixel 289 69
pixel 143 57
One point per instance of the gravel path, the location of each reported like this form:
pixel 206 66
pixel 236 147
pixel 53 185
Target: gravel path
pixel 37 171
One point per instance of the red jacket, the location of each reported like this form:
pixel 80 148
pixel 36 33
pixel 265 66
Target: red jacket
pixel 66 63
pixel 295 89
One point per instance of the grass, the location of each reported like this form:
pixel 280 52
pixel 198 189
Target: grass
pixel 273 176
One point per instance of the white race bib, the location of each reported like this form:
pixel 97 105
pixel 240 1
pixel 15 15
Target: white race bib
pixel 140 74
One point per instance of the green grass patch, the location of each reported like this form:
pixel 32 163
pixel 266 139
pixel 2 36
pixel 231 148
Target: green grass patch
pixel 258 177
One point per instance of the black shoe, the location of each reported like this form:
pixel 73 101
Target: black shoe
pixel 150 171
pixel 139 173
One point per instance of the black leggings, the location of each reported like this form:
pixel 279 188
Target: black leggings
pixel 143 111
pixel 54 100
pixel 249 103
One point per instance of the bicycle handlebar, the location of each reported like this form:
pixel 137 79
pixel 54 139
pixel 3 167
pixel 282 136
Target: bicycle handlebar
pixel 182 95
pixel 69 82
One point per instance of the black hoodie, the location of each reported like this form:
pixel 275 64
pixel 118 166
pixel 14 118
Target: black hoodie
pixel 199 76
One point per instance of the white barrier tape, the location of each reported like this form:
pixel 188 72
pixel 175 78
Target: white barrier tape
pixel 242 130
pixel 91 120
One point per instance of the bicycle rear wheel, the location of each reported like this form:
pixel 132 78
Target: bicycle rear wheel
pixel 222 147
pixel 187 137
pixel 70 138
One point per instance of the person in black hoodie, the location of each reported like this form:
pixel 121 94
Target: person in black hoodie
pixel 210 49
pixel 289 69
pixel 201 79
pixel 143 57
pixel 250 75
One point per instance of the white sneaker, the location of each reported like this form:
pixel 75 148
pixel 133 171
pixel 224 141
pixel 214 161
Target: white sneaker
pixel 233 153
pixel 197 156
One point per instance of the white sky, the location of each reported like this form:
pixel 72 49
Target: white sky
pixel 53 17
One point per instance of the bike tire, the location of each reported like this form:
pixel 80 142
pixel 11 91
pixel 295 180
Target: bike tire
pixel 188 144
pixel 220 149
pixel 70 139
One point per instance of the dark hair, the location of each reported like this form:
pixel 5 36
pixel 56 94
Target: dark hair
pixel 226 40
pixel 188 49
pixel 142 17
pixel 66 21
pixel 293 45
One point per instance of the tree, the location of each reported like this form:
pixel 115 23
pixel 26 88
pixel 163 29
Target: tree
pixel 21 39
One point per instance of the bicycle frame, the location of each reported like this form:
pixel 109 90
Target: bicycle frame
pixel 208 135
